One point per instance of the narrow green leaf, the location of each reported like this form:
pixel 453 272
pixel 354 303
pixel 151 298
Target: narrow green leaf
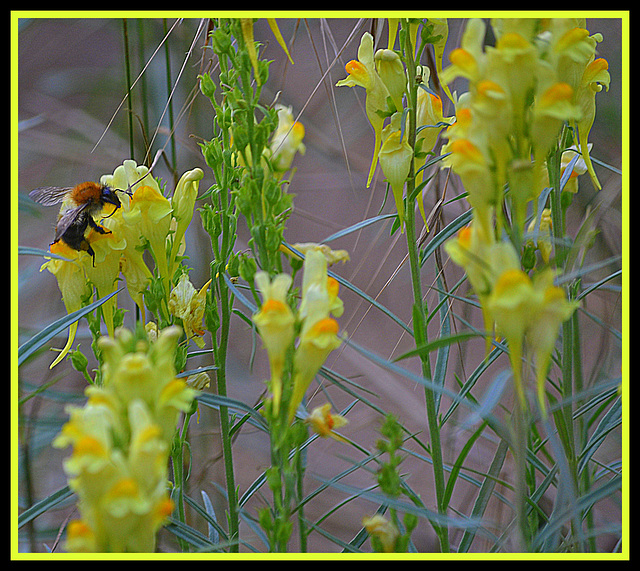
pixel 444 341
pixel 447 232
pixel 357 226
pixel 485 493
pixel 442 358
pixel 582 504
pixel 43 505
pixel 29 347
pixel 457 466
pixel 610 421
pixel 216 401
pixel 190 535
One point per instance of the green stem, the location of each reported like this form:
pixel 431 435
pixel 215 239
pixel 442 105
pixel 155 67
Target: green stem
pixel 520 455
pixel 571 372
pixel 221 377
pixel 220 349
pixel 125 33
pixel 167 55
pixel 419 310
pixel 177 459
pixel 558 226
pixel 302 528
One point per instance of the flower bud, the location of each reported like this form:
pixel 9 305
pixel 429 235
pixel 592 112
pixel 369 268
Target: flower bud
pixel 391 71
pixel 395 160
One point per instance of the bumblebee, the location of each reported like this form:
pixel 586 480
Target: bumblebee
pixel 84 201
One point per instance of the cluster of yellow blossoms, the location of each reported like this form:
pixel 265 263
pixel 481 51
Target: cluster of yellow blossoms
pixel 277 324
pixel 121 441
pixel 146 219
pixel 521 307
pixel 383 76
pixel 540 75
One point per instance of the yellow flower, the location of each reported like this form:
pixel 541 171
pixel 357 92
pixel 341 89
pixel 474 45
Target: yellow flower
pixel 315 273
pixel 147 217
pixel 129 517
pixel 183 202
pixel 129 176
pixel 199 380
pixel 512 305
pixel 395 160
pixel 543 239
pixel 121 441
pixel 148 449
pixel 514 61
pixel 484 261
pixel 188 305
pixel 362 72
pixel 80 537
pixel 573 57
pixel 332 256
pixel 571 49
pixel 553 107
pixel 323 422
pixel 319 333
pixel 318 338
pixel 89 432
pixel 137 275
pixel 429 118
pixel 383 530
pixel 146 371
pixel 150 212
pixel 526 27
pixel 175 397
pixel 286 140
pixel 391 70
pixel 104 274
pixel 440 28
pixel 579 167
pixel 468 60
pixel 275 322
pixel 595 76
pixel 72 283
pixel 469 161
pixel 429 121
pixel 542 333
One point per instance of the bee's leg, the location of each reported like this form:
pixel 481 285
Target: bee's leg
pixel 97 227
pixel 90 251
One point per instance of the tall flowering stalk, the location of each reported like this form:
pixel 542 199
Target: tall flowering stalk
pixel 298 342
pixel 540 79
pixel 251 151
pixel 121 440
pixel 501 140
pixel 397 87
pixel 123 437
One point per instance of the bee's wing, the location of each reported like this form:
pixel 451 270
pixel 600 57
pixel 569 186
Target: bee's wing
pixel 49 195
pixel 67 218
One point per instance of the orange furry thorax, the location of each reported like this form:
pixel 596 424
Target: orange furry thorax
pixel 87 192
